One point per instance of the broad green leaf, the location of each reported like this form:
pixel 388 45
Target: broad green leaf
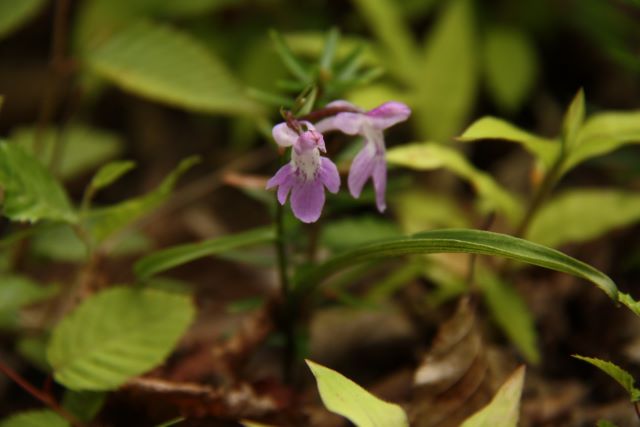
pixel 30 192
pixel 428 156
pixel 510 66
pixel 617 373
pixel 177 255
pixel 193 8
pixel 82 148
pixel 35 418
pixel 504 408
pixel 573 120
pixel 628 301
pixel 169 66
pixel 15 13
pixel 110 173
pixel 511 313
pixel 115 335
pixel 84 405
pixel 544 149
pixel 583 214
pixel 603 133
pixel 17 292
pixel 353 232
pixel 104 222
pixel 457 241
pixel 385 21
pixel 344 397
pixel 448 79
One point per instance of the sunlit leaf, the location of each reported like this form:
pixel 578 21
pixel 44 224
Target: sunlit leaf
pixel 35 418
pixel 573 120
pixel 448 81
pixel 109 173
pixel 504 408
pixel 82 148
pixel 177 255
pixel 169 66
pixel 428 156
pixel 30 192
pixel 510 66
pixel 344 397
pixel 617 373
pixel 544 149
pixel 115 335
pixel 13 14
pixel 457 241
pixel 584 214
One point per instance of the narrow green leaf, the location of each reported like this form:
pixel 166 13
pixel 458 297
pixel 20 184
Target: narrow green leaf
pixel 573 120
pixel 458 241
pixel 171 422
pixel 504 408
pixel 35 418
pixel 545 150
pixel 104 222
pixel 289 59
pixel 510 66
pixel 581 215
pixel 110 173
pixel 429 155
pixel 329 52
pixel 344 397
pixel 448 79
pixel 628 301
pixel 13 14
pixel 115 335
pixel 82 148
pixel 617 373
pixel 170 66
pixel 84 405
pixel 30 192
pixel 177 255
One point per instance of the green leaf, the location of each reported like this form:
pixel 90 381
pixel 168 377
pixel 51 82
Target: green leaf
pixel 581 215
pixel 177 255
pixel 104 222
pixel 544 149
pixel 329 52
pixel 617 373
pixel 247 423
pixel 605 423
pixel 289 59
pixel 344 397
pixel 17 292
pixel 30 192
pixel 84 405
pixel 631 304
pixel 510 66
pixel 110 173
pixel 428 156
pixel 511 313
pixel 351 232
pixel 14 14
pixel 82 148
pixel 458 241
pixel 418 210
pixel 448 79
pixel 169 66
pixel 115 335
pixel 35 418
pixel 34 350
pixel 504 408
pixel 573 120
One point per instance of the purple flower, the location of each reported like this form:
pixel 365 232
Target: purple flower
pixel 306 174
pixel 370 161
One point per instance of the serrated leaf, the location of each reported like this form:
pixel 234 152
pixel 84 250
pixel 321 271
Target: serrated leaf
pixel 344 397
pixel 573 120
pixel 581 215
pixel 457 241
pixel 512 314
pixel 115 335
pixel 177 255
pixel 504 408
pixel 13 14
pixel 17 292
pixel 104 222
pixel 448 81
pixel 510 66
pixel 617 373
pixel 30 192
pixel 170 66
pixel 35 418
pixel 428 156
pixel 544 149
pixel 83 148
pixel 110 173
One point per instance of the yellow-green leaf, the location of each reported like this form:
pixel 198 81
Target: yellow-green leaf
pixel 573 120
pixel 15 13
pixel 617 373
pixel 35 418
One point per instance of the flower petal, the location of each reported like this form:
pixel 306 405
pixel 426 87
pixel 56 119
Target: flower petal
pixel 307 200
pixel 284 135
pixel 380 181
pixel 284 179
pixel 388 114
pixel 341 103
pixel 328 175
pixel 361 169
pixel 349 123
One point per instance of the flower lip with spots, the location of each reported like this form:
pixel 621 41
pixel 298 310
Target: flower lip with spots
pixel 370 162
pixel 307 174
